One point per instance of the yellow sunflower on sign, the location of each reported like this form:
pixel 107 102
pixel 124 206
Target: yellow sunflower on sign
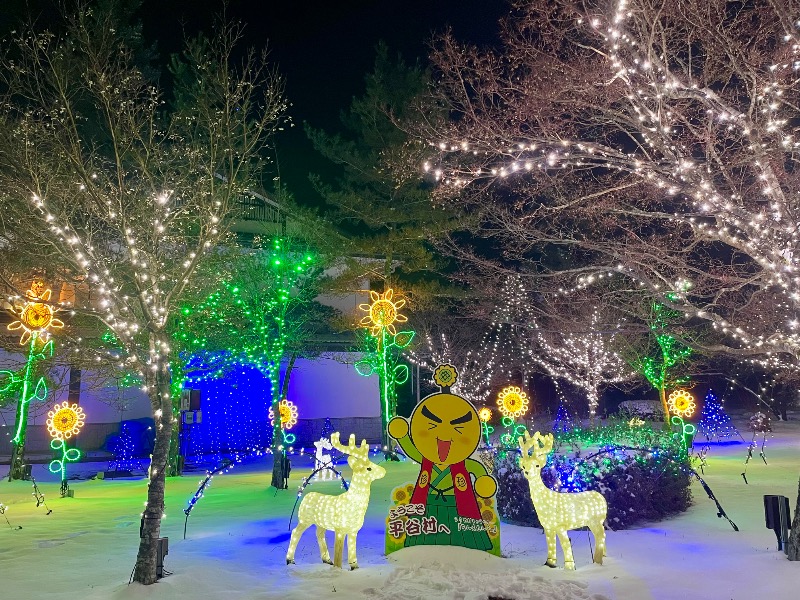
pixel 681 403
pixel 512 402
pixel 445 376
pixel 485 414
pixel 382 313
pixel 288 414
pixel 35 316
pixel 65 420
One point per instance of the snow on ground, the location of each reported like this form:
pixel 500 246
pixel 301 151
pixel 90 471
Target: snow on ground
pixel 238 535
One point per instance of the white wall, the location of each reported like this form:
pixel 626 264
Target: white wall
pixel 321 388
pixel 324 387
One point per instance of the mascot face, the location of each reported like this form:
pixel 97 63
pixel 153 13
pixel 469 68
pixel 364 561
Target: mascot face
pixel 445 429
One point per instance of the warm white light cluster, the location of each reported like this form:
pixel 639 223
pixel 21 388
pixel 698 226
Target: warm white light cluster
pixel 559 512
pixel 342 514
pixel 586 360
pixel 439 351
pixel 686 130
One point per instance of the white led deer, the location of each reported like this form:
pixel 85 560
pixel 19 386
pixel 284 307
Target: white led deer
pixel 560 512
pixel 322 462
pixel 342 514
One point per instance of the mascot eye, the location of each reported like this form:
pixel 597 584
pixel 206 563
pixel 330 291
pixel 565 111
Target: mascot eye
pixel 369 468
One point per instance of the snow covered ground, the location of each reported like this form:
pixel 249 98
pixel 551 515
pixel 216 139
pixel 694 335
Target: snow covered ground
pixel 238 535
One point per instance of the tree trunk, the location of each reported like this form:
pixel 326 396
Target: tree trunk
pixel 793 551
pixel 150 528
pixel 279 392
pixel 662 395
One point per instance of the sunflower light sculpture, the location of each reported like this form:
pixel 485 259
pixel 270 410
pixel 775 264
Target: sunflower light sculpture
pixel 383 313
pixel 512 403
pixel 288 414
pixel 35 316
pixel 681 404
pixel 485 415
pixel 64 422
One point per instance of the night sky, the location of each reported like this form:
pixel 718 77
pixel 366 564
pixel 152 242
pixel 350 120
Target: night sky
pixel 324 49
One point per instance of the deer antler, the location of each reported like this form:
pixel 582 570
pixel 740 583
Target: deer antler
pixel 351 448
pixel 527 443
pixel 540 444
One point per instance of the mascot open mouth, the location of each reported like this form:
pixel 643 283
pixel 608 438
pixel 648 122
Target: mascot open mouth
pixel 444 448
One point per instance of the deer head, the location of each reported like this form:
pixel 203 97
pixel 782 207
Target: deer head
pixel 358 457
pixel 540 445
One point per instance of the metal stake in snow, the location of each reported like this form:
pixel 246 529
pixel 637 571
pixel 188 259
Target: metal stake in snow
pixel 39 496
pixel 3 509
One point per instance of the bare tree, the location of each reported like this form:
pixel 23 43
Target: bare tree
pixel 584 357
pixel 654 141
pixel 124 193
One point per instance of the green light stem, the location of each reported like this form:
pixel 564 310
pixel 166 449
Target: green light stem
pixel 68 455
pixel 24 400
pixel 384 382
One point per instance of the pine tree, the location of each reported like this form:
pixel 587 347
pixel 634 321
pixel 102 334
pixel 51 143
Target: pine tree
pixel 563 421
pixel 327 428
pixel 714 421
pixel 386 209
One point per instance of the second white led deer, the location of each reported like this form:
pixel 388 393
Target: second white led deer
pixel 560 512
pixel 342 514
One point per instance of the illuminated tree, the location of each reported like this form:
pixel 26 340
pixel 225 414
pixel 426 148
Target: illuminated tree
pixel 123 194
pixel 652 141
pixel 585 359
pixel 262 315
pixel 714 421
pixel 667 354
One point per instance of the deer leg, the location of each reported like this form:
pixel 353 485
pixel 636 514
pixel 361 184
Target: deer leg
pixel 338 549
pixel 566 546
pixel 323 546
pixel 599 534
pixel 296 533
pixel 550 535
pixel 351 550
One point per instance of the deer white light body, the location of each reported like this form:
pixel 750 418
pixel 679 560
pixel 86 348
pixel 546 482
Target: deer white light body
pixel 560 512
pixel 323 461
pixel 342 514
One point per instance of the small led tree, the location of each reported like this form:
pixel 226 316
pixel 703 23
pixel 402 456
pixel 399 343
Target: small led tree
pixel 715 423
pixel 382 357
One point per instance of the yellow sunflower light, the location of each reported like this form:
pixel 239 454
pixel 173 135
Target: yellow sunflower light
pixel 65 421
pixel 288 414
pixel 382 312
pixel 681 403
pixel 35 316
pixel 485 414
pixel 512 402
